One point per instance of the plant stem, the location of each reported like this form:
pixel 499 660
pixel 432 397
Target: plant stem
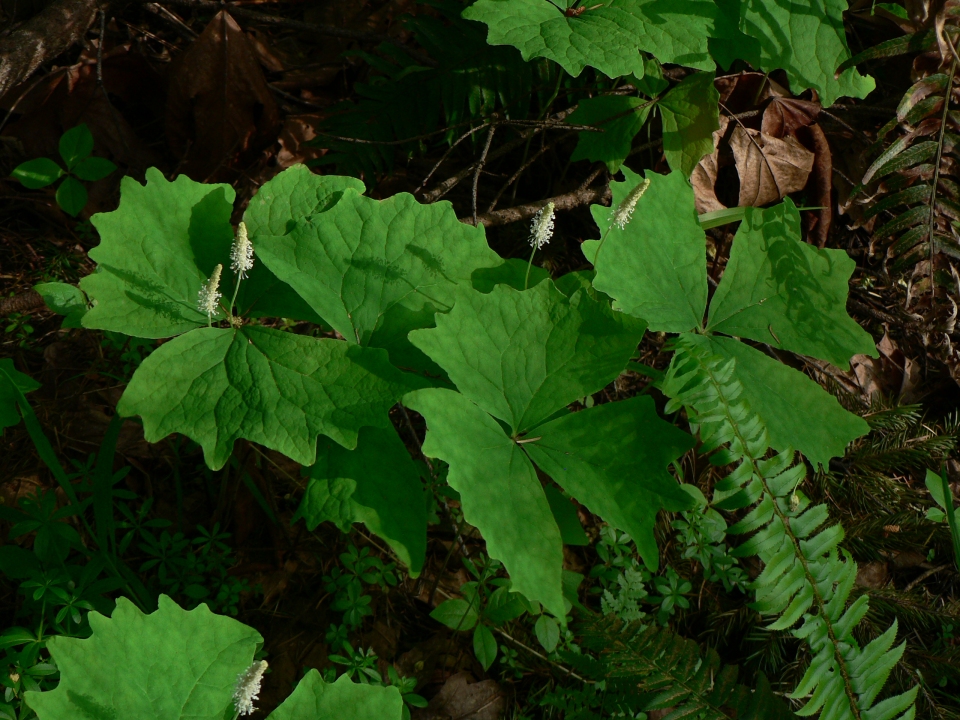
pixel 526 279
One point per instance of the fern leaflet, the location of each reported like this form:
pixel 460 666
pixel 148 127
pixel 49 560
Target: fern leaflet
pixel 806 577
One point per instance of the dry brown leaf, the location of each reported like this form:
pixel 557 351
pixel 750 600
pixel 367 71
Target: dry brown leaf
pixel 220 110
pixel 298 131
pixel 462 699
pixel 745 91
pixel 704 177
pixel 873 575
pixel 821 183
pixel 891 374
pixel 770 168
pixel 784 116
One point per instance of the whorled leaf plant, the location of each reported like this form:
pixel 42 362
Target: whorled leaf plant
pixel 782 293
pixel 175 664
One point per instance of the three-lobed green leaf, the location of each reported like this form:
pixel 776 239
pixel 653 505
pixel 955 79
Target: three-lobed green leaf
pixel 775 289
pixel 376 269
pixel 606 35
pixel 169 665
pixel 779 290
pixel 656 267
pixel 294 194
pixel 175 664
pixel 808 43
pixel 499 491
pixel 156 251
pixel 523 357
pixel 281 390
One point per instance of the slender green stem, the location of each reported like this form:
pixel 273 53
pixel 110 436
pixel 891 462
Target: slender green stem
pixel 526 279
pixel 233 300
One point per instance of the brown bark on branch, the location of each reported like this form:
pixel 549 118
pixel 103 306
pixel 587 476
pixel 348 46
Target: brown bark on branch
pixel 567 201
pixel 43 37
pixel 22 303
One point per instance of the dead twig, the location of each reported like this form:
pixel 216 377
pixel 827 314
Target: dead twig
pixel 24 302
pixel 519 213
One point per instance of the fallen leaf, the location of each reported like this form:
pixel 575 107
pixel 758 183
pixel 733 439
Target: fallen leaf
pixel 745 91
pixel 873 575
pixel 820 185
pixel 295 137
pixel 220 111
pixel 784 116
pixel 770 168
pixel 462 699
pixel 704 176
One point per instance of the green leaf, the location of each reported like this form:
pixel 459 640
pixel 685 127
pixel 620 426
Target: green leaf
pixel 613 144
pixel 623 478
pixel 655 268
pixel 690 116
pixel 64 299
pixel 934 484
pixel 376 269
pixel 75 145
pixel 778 290
pixel 278 389
pixel 522 356
pixel 484 646
pixel 169 665
pixel 548 632
pixel 156 251
pixel 652 83
pixel 93 169
pixel 293 195
pixel 809 45
pixel 571 531
pixel 728 43
pixel 71 196
pixel 376 484
pixel 39 173
pixel 457 614
pixel 799 414
pixel 10 381
pixel 499 489
pixel 605 35
pixel 512 272
pixel 315 699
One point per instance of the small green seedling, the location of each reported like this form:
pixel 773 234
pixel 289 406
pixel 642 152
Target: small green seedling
pixel 76 148
pixel 939 489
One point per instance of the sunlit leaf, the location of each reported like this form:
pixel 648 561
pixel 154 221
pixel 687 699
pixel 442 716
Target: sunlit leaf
pixel 278 389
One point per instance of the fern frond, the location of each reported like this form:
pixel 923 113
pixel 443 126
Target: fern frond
pixel 667 671
pixel 806 578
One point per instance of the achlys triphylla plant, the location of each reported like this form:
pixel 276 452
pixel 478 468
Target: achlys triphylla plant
pixel 399 282
pixel 780 292
pixel 173 664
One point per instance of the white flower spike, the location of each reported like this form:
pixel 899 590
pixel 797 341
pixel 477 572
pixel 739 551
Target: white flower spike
pixel 624 211
pixel 248 688
pixel 541 229
pixel 241 254
pixel 210 293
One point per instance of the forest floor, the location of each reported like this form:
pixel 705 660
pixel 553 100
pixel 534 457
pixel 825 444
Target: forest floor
pixel 237 99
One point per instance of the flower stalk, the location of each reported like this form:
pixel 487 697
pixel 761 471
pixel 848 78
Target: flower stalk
pixel 210 295
pixel 541 230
